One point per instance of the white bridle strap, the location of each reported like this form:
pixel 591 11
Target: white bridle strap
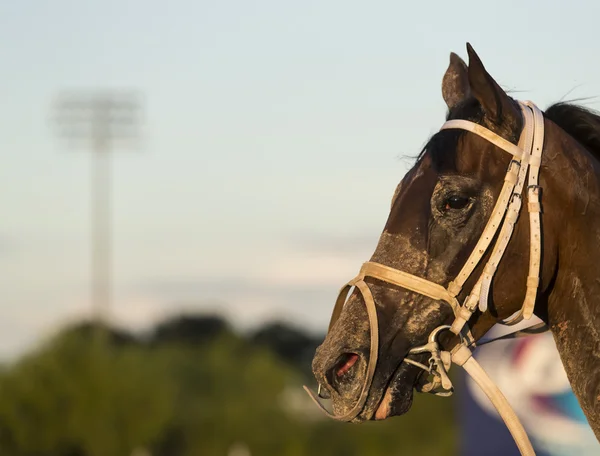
pixel 389 275
pixel 369 302
pixel 534 209
pixel 489 135
pixel 409 282
pixel 532 140
pixel 462 356
pixel 489 231
pixel 512 213
pixel 514 176
pixel 531 144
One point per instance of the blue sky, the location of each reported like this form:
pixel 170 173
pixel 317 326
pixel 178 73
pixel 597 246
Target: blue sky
pixel 273 141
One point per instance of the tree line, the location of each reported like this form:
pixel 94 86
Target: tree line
pixel 191 386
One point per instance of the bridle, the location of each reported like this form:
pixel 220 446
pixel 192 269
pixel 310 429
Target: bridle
pixel 525 163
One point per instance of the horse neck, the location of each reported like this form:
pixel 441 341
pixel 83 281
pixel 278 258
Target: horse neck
pixel 570 178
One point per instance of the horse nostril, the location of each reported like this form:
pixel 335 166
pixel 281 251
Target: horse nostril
pixel 344 363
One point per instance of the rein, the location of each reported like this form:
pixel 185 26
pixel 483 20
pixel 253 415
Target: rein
pixel 526 160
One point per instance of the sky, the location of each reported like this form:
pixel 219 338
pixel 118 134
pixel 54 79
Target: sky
pixel 274 134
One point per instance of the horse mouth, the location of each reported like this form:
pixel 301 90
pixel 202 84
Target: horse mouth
pixel 397 396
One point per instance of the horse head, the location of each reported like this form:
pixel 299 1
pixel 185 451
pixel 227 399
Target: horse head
pixel 438 214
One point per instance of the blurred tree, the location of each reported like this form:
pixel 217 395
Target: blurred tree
pixel 114 336
pixel 197 388
pixel 227 393
pixel 75 397
pixel 189 329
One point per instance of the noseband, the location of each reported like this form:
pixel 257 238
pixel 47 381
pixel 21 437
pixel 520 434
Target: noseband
pixel 526 161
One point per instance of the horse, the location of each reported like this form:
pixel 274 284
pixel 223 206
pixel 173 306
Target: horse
pixel 372 358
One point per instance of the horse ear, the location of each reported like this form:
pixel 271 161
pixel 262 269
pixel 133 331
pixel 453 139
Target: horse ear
pixel 455 84
pixel 495 102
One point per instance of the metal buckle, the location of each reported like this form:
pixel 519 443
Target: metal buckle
pixel 437 367
pixel 323 393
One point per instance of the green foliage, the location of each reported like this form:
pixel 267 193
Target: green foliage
pixel 79 396
pixel 85 396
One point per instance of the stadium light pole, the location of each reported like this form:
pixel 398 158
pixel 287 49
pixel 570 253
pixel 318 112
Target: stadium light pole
pixel 99 121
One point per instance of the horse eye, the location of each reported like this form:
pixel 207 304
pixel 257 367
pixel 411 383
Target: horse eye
pixel 456 202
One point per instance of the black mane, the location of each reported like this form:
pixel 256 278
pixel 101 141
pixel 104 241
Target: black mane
pixel 581 123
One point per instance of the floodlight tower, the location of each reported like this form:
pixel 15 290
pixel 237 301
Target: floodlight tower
pixel 99 121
